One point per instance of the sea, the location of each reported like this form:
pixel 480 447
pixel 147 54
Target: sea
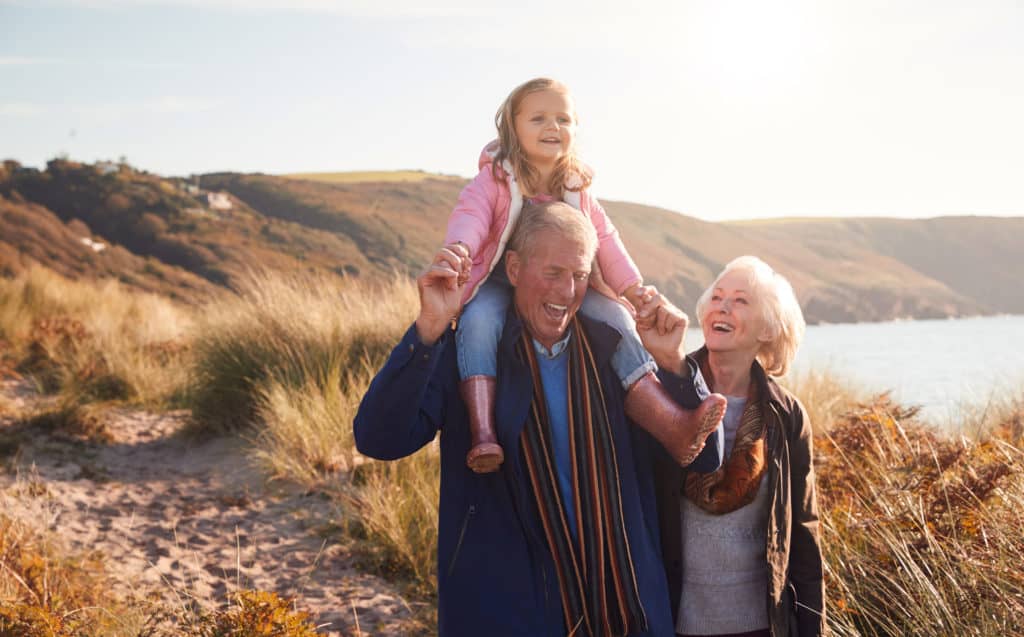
pixel 947 367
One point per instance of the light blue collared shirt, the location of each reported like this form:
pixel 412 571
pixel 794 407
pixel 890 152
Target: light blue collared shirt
pixel 554 376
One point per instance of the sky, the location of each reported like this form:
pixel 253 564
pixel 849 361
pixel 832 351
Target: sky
pixel 719 109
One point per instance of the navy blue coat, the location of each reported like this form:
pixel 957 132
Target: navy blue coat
pixel 495 574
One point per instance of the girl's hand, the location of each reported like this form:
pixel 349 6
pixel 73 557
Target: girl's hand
pixel 645 299
pixel 461 250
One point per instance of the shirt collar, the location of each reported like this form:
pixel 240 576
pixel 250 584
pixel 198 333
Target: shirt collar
pixel 556 349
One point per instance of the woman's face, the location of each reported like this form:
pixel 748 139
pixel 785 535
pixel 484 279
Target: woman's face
pixel 733 320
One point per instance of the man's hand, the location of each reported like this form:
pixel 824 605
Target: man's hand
pixel 665 335
pixel 440 288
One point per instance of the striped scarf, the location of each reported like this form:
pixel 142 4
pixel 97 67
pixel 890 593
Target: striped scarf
pixel 596 578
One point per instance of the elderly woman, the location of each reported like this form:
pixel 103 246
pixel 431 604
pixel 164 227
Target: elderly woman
pixel 740 545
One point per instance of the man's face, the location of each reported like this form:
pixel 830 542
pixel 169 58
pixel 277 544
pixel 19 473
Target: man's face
pixel 550 279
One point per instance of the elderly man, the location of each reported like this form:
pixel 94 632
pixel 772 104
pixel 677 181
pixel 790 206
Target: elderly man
pixel 564 538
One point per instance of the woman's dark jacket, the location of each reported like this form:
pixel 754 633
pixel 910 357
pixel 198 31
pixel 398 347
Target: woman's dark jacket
pixel 796 588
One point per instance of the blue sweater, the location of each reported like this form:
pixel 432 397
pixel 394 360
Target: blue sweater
pixel 496 575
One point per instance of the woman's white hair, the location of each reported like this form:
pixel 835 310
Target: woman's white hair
pixel 781 311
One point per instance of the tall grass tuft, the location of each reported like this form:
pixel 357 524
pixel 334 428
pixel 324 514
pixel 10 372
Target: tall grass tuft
pixel 305 432
pixel 396 505
pixel 923 535
pixel 293 331
pixel 826 395
pixel 94 340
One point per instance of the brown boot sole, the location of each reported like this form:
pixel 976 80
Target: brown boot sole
pixel 486 457
pixel 708 423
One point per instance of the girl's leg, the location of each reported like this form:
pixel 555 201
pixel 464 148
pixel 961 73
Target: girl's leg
pixel 477 334
pixel 680 430
pixel 630 361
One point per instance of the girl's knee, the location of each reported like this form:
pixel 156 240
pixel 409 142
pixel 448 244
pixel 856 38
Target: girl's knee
pixel 606 310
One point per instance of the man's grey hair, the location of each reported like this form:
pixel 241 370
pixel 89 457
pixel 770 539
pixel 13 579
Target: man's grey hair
pixel 556 216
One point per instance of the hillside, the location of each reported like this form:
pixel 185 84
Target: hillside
pixel 30 233
pixel 187 237
pixel 843 270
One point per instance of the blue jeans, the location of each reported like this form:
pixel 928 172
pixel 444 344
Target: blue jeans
pixel 483 320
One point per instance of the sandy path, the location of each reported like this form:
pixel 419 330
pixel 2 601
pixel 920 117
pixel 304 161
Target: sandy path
pixel 178 519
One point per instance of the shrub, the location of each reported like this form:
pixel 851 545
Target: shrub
pixel 256 614
pixel 922 534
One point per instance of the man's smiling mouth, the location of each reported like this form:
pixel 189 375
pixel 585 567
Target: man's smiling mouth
pixel 554 311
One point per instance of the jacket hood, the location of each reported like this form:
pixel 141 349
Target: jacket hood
pixel 488 154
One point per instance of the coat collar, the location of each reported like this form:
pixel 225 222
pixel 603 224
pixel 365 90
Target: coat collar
pixel 766 386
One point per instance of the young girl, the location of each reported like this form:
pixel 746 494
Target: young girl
pixel 532 161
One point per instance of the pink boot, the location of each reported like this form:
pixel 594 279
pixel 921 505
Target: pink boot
pixel 485 454
pixel 681 431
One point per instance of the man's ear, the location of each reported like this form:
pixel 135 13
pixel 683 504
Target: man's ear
pixel 512 265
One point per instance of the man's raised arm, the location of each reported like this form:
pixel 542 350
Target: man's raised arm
pixel 404 405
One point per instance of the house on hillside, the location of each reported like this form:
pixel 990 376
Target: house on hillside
pixel 218 201
pixel 96 246
pixel 107 167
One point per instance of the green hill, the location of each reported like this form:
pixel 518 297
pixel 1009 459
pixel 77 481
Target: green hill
pixel 185 238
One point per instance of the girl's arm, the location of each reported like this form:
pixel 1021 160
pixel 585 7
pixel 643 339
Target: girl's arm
pixel 471 220
pixel 617 267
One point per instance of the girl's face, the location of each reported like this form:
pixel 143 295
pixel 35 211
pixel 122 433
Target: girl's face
pixel 545 126
pixel 733 320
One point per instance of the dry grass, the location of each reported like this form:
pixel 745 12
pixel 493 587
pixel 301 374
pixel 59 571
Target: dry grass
pixel 826 396
pixel 300 376
pixel 293 331
pixel 95 340
pixel 923 534
pixel 45 589
pixel 395 505
pixel 305 432
pixel 48 590
pixel 977 418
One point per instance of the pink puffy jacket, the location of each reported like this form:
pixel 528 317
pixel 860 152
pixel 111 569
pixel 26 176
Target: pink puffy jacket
pixel 487 211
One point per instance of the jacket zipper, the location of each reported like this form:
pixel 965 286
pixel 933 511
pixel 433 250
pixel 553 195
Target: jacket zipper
pixel 462 534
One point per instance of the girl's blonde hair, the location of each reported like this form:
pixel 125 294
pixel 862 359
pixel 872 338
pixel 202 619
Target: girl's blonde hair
pixel 779 306
pixel 569 172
